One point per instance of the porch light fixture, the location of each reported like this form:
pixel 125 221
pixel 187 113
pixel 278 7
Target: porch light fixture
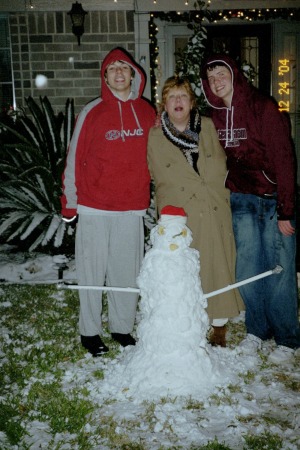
pixel 77 15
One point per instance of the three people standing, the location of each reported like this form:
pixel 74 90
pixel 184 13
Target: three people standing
pixel 106 184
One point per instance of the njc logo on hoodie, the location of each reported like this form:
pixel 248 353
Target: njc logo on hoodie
pixel 113 135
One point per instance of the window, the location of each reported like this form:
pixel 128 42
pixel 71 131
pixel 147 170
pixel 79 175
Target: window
pixel 7 98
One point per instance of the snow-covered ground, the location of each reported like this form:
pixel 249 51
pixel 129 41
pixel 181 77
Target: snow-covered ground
pixel 238 404
pixel 36 268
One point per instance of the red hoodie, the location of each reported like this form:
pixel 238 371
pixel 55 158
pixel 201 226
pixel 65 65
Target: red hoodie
pixel 106 166
pixel 256 139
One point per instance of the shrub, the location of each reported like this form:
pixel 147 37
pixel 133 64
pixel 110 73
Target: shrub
pixel 32 158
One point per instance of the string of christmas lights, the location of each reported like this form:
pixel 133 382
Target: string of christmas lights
pixel 203 14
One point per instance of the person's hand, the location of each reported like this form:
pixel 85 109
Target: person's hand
pixel 71 221
pixel 286 228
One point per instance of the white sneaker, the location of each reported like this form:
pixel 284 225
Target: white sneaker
pixel 250 344
pixel 281 354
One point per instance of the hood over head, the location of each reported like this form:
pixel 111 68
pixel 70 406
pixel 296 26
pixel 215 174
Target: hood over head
pixel 139 79
pixel 239 82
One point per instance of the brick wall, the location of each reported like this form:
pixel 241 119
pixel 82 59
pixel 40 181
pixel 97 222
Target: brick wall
pixel 43 43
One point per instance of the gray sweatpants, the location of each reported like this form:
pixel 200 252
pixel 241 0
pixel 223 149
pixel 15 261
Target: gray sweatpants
pixel 109 250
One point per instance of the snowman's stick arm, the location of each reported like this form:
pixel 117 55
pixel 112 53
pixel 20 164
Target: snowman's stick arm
pixel 276 270
pixel 97 288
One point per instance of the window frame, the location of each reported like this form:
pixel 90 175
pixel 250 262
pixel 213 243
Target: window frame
pixel 8 49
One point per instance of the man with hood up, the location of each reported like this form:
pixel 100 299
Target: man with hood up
pixel 106 183
pixel 261 177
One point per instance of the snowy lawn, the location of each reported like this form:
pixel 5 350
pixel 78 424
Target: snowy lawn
pixel 55 396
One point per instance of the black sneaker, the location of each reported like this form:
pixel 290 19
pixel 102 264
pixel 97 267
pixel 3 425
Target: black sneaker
pixel 94 345
pixel 123 339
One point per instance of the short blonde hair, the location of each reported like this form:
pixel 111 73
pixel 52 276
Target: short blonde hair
pixel 177 82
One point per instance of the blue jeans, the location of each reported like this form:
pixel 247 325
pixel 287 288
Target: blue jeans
pixel 271 302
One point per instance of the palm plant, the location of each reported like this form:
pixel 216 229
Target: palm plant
pixel 32 159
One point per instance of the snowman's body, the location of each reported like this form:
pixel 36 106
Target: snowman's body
pixel 172 302
pixel 171 356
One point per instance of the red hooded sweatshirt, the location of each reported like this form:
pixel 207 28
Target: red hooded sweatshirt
pixel 256 139
pixel 106 166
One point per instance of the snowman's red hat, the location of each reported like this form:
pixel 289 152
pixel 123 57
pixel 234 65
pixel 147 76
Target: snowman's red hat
pixel 173 213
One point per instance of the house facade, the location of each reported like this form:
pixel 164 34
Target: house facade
pixel 36 38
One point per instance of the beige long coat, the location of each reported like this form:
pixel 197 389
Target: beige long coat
pixel 207 205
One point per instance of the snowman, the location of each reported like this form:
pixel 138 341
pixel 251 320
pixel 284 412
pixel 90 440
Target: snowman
pixel 171 356
pixel 172 302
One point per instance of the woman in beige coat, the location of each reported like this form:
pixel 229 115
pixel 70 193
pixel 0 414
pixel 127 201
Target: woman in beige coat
pixel 188 167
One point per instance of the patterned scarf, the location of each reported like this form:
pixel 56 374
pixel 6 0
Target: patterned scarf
pixel 187 141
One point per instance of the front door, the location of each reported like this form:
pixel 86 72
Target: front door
pixel 249 44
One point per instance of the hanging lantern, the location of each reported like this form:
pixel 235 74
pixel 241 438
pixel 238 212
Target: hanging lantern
pixel 77 15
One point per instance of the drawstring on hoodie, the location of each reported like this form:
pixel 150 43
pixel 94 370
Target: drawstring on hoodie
pixel 229 137
pixel 135 115
pixel 121 119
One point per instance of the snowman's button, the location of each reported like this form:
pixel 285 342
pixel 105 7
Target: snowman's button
pixel 168 165
pixel 215 208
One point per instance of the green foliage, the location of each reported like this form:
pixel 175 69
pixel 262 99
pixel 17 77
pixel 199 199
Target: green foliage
pixel 10 423
pixel 266 441
pixel 189 61
pixel 193 404
pixel 248 377
pixel 65 412
pixel 212 445
pixel 32 158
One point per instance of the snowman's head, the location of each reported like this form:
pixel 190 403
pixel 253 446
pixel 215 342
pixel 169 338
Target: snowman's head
pixel 172 214
pixel 171 232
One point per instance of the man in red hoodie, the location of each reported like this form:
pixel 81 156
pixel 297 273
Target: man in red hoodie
pixel 106 184
pixel 261 178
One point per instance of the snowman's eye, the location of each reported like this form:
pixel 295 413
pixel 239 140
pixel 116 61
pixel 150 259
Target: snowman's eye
pixel 161 230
